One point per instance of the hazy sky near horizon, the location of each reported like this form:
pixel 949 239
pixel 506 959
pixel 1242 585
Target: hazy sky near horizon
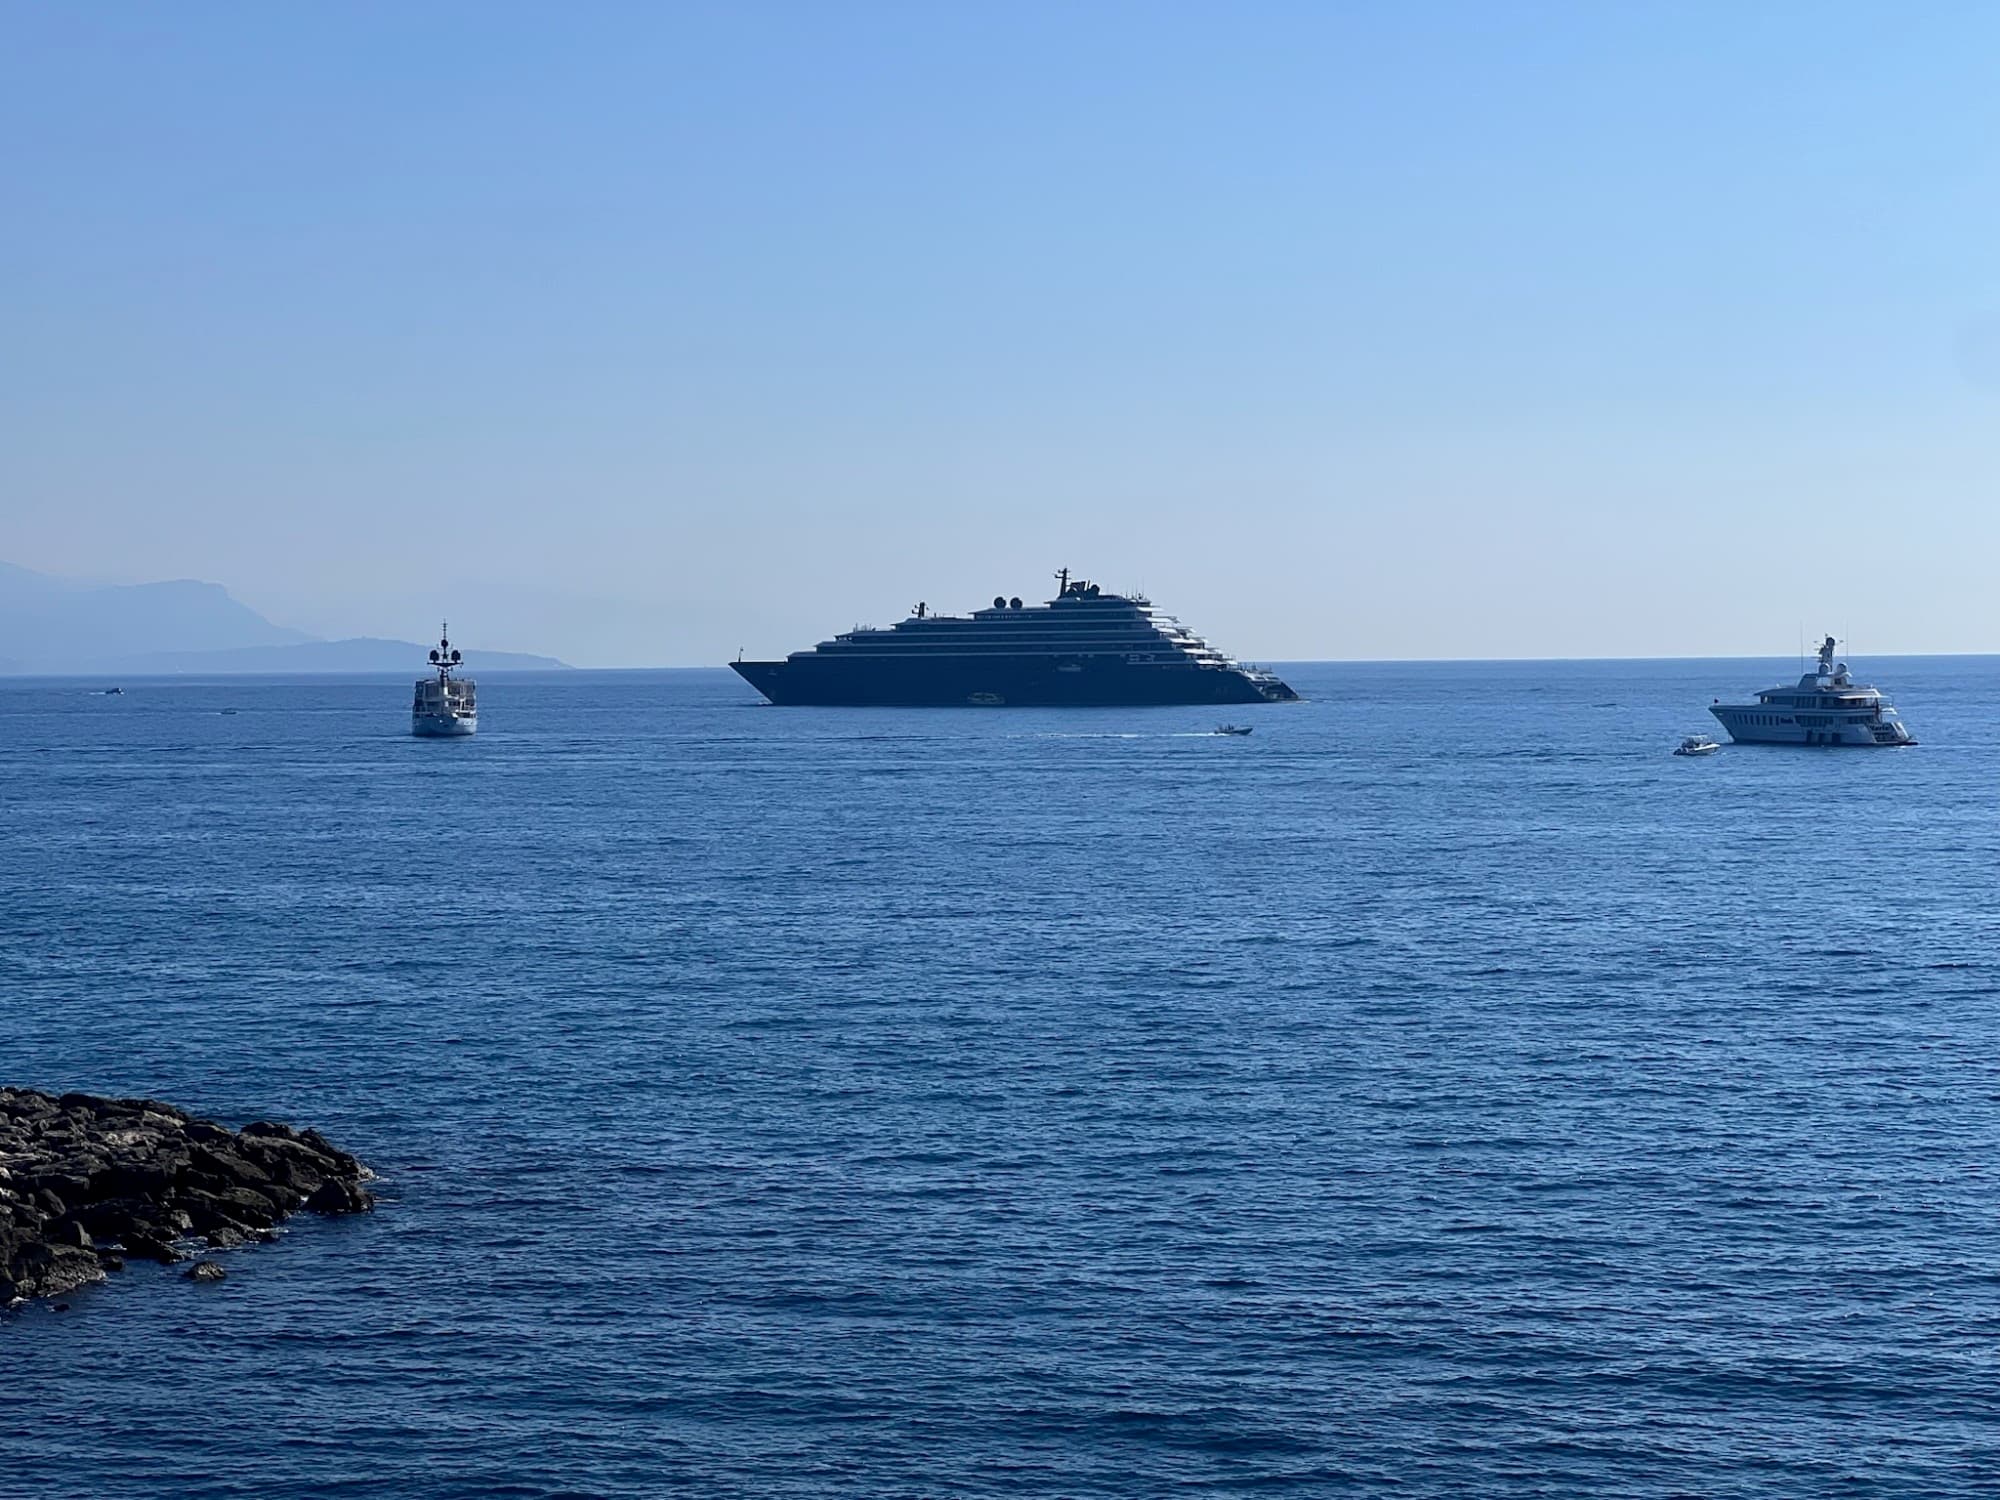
pixel 641 332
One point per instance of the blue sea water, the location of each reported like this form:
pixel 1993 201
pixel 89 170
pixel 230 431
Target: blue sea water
pixel 1443 1091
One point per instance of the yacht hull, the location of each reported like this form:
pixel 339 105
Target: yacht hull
pixel 1743 730
pixel 957 683
pixel 443 726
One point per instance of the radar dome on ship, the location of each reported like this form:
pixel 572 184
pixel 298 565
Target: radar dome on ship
pixel 1013 603
pixel 434 656
pixel 999 601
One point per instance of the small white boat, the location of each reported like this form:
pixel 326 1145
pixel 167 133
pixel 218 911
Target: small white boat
pixel 1697 744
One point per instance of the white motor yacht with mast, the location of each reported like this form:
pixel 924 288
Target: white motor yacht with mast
pixel 445 705
pixel 1826 707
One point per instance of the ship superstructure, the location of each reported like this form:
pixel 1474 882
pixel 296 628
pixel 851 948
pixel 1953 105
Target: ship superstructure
pixel 445 704
pixel 1085 647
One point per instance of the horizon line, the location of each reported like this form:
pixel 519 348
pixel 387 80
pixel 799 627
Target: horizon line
pixel 570 669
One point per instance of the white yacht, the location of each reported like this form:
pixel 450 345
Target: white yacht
pixel 1826 707
pixel 445 704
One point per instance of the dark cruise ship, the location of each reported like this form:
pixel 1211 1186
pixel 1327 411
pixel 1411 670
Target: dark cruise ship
pixel 1084 648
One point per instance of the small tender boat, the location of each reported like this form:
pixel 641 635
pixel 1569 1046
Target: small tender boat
pixel 114 692
pixel 1697 744
pixel 1232 729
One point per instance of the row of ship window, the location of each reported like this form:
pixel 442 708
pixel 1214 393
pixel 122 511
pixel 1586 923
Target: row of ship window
pixel 1094 629
pixel 1805 721
pixel 844 653
pixel 1014 648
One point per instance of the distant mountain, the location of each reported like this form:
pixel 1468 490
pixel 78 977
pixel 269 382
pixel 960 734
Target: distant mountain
pixel 62 623
pixel 57 625
pixel 358 654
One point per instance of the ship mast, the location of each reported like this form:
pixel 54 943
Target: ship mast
pixel 444 658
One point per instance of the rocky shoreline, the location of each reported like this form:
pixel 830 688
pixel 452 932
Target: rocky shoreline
pixel 86 1183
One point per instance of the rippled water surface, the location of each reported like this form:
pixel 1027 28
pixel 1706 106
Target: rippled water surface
pixel 1442 1091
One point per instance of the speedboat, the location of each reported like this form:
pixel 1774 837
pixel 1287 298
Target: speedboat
pixel 1697 744
pixel 1232 729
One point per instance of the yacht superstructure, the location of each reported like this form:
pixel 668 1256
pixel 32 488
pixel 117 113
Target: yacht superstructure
pixel 1084 647
pixel 445 704
pixel 1825 707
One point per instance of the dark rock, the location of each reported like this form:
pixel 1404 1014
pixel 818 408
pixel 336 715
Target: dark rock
pixel 110 1218
pixel 204 1270
pixel 44 1270
pixel 133 1179
pixel 84 1176
pixel 289 1161
pixel 300 1174
pixel 143 1246
pixel 166 1112
pixel 336 1197
pixel 227 1166
pixel 281 1198
pixel 208 1207
pixel 346 1165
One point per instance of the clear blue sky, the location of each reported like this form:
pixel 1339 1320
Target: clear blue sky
pixel 641 332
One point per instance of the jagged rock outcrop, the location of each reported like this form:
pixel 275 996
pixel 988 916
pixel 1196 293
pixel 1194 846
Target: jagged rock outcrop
pixel 87 1183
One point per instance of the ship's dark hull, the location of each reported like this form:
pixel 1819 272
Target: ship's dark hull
pixel 1001 682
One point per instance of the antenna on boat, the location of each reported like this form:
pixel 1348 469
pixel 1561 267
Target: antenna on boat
pixel 1062 582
